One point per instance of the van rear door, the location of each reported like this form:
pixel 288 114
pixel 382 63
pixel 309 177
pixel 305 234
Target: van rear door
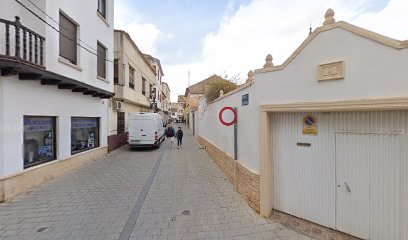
pixel 143 132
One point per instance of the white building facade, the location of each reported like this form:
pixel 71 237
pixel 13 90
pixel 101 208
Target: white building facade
pixel 323 136
pixel 134 79
pixel 174 112
pixel 53 88
pixel 156 65
pixel 166 104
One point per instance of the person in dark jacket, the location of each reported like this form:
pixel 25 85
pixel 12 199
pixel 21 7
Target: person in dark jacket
pixel 179 135
pixel 170 134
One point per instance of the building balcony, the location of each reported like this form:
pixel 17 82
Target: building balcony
pixel 22 44
pixel 131 95
pixel 23 54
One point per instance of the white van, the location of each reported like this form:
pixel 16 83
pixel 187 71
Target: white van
pixel 145 130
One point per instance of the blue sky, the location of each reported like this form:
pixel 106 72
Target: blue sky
pixel 186 21
pixel 233 36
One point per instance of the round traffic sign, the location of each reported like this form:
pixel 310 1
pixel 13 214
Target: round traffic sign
pixel 310 121
pixel 225 122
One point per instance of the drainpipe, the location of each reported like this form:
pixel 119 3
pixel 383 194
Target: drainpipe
pixel 122 76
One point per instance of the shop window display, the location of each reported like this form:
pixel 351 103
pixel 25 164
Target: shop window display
pixel 84 134
pixel 39 140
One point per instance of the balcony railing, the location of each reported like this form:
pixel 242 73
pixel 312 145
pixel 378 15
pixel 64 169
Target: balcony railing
pixel 21 43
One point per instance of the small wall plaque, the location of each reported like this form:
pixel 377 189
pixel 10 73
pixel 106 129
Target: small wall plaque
pixel 245 99
pixel 301 144
pixel 331 71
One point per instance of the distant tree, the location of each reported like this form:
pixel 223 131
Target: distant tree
pixel 233 78
pixel 216 85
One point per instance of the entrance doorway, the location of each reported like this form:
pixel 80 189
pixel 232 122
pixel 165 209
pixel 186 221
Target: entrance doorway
pixel 368 184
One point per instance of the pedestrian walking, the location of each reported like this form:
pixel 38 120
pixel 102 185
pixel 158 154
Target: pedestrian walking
pixel 179 135
pixel 170 134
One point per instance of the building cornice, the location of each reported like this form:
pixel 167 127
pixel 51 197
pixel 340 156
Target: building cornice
pixel 381 39
pixel 369 104
pixel 150 57
pixel 26 71
pixel 136 48
pixel 125 100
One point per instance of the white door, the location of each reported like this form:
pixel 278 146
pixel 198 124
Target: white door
pixel 369 183
pixel 353 184
pixel 351 176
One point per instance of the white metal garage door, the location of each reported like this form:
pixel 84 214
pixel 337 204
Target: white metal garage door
pixel 354 175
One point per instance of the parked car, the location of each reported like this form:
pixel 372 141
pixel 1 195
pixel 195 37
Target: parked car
pixel 145 130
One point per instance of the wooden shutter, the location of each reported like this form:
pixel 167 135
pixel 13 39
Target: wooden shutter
pixel 101 68
pixel 116 71
pixel 143 86
pixel 131 77
pixel 68 39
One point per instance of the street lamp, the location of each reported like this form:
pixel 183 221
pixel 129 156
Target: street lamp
pixel 153 97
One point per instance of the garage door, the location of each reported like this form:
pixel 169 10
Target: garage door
pixel 351 176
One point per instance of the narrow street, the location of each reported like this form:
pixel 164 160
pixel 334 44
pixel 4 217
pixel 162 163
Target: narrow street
pixel 145 194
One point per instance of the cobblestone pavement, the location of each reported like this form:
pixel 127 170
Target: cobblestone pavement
pixel 149 194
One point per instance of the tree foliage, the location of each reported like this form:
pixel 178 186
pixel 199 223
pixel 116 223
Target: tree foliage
pixel 215 86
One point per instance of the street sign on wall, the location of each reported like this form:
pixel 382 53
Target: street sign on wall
pixel 310 125
pixel 245 99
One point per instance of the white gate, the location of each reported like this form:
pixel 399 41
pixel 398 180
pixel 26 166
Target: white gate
pixel 353 184
pixel 368 178
pixel 352 176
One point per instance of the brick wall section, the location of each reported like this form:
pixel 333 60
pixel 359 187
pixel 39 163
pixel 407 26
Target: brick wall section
pixel 248 186
pixel 225 162
pixel 247 182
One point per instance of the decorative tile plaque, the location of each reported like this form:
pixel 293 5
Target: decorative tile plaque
pixel 331 71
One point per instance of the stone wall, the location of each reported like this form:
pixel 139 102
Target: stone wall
pixel 246 182
pixel 248 185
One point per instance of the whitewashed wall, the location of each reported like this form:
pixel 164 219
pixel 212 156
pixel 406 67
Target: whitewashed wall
pixel 113 120
pixel 196 125
pixel 371 70
pixel 62 104
pixel 11 8
pixel 159 79
pixel 130 56
pixel 190 121
pixel 210 128
pixel 92 28
pixel 1 127
pixel 19 98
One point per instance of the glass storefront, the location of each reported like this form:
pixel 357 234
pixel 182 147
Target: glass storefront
pixel 84 134
pixel 39 140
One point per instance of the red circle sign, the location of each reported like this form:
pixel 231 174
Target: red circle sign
pixel 222 120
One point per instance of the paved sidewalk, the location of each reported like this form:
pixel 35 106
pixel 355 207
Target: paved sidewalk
pixel 149 194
